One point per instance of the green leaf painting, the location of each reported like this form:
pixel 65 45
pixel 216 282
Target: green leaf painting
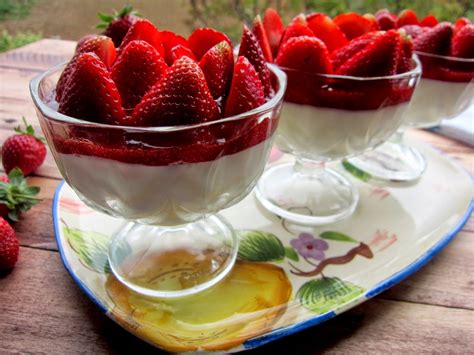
pixel 91 248
pixel 356 172
pixel 260 246
pixel 326 294
pixel 291 254
pixel 340 237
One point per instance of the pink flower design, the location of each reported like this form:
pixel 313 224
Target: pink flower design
pixel 382 239
pixel 309 247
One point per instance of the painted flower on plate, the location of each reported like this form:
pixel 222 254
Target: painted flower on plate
pixel 309 247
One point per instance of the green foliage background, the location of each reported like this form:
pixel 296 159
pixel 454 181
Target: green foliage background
pixel 227 15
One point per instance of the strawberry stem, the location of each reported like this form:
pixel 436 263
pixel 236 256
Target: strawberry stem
pixel 29 130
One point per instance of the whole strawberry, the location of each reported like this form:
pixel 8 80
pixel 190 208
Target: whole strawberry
pixel 117 25
pixel 15 195
pixel 9 246
pixel 23 150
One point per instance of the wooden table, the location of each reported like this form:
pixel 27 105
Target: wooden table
pixel 42 309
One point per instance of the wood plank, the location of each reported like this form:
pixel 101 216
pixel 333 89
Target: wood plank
pixel 44 311
pixel 384 327
pixel 39 55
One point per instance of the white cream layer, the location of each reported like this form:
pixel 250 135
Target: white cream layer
pixel 435 100
pixel 326 134
pixel 164 195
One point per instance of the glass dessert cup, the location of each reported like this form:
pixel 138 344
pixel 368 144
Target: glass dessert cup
pixel 445 91
pixel 166 183
pixel 328 118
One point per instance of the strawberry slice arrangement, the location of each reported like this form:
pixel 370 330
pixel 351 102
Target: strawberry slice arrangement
pixel 350 45
pixel 158 78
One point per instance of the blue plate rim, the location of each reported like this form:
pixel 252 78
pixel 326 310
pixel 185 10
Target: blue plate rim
pixel 282 332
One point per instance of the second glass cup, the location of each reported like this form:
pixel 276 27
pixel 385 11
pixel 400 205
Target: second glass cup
pixel 328 118
pixel 445 91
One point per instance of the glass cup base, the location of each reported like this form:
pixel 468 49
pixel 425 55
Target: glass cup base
pixel 392 161
pixel 170 262
pixel 307 195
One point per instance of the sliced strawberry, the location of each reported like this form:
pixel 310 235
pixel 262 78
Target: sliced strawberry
pixel 171 40
pixel 246 91
pixel 102 46
pixel 261 35
pixel 250 49
pixel 406 52
pixel 407 17
pixel 138 67
pixel 83 39
pixel 274 29
pixel 429 21
pixel 307 54
pixel 90 93
pixel 436 40
pixel 297 27
pixel 462 44
pixel 203 39
pixel 414 30
pixel 385 19
pixel 180 51
pixel 341 55
pixel 181 98
pixel 327 31
pixel 461 22
pixel 378 58
pixel 354 25
pixel 144 30
pixel 217 65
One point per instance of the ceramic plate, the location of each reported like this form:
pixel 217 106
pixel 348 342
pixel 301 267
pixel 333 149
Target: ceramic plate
pixel 287 277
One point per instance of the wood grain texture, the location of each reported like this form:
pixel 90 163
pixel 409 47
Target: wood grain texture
pixel 43 310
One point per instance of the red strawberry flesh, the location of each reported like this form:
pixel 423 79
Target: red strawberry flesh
pixel 203 39
pixel 136 70
pixel 274 29
pixel 217 65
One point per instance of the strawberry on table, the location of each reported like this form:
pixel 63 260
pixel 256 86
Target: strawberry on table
pixel 297 27
pixel 171 40
pixel 90 93
pixel 378 58
pixel 429 21
pixel 354 25
pixel 261 35
pixel 117 25
pixel 385 19
pixel 23 150
pixel 246 91
pixel 16 196
pixel 181 98
pixel 274 29
pixel 462 44
pixel 102 46
pixel 144 30
pixel 407 17
pixel 138 67
pixel 307 54
pixel 327 31
pixel 250 49
pixel 217 65
pixel 9 246
pixel 203 39
pixel 341 55
pixel 435 40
